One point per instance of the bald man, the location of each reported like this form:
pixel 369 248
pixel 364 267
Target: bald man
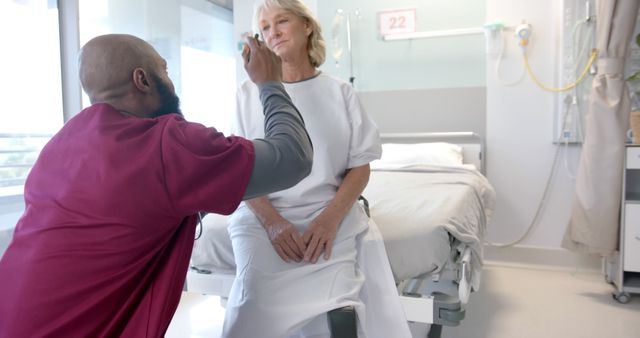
pixel 103 246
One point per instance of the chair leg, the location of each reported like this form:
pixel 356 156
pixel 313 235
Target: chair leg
pixel 435 331
pixel 343 322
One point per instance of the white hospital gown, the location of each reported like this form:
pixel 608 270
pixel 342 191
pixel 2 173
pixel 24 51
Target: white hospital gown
pixel 274 299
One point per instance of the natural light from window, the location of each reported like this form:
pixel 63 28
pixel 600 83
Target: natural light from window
pixel 194 36
pixel 31 87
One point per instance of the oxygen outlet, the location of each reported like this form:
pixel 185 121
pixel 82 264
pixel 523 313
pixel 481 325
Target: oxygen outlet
pixel 523 32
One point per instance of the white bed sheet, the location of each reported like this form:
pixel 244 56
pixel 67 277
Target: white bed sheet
pixel 213 250
pixel 415 208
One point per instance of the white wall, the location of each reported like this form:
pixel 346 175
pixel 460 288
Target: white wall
pixel 429 110
pixel 378 65
pixel 520 128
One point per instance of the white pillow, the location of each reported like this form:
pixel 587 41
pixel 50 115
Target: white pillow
pixel 403 155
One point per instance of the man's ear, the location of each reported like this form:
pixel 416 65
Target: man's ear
pixel 141 80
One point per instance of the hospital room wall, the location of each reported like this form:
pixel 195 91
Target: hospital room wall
pixel 518 124
pixel 520 131
pixel 428 109
pixel 437 83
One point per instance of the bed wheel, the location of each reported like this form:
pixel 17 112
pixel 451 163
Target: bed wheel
pixel 622 297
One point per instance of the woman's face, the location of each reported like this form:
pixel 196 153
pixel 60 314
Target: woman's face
pixel 285 33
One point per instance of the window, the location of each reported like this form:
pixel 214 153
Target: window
pixel 32 97
pixel 31 77
pixel 208 66
pixel 194 36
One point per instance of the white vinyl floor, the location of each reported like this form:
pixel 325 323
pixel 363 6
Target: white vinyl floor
pixel 514 302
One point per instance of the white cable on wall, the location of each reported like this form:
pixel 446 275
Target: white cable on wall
pixel 499 62
pixel 580 49
pixel 541 205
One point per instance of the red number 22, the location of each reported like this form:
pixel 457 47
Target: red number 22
pixel 397 22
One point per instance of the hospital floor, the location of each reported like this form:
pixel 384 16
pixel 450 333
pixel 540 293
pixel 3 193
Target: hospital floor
pixel 514 302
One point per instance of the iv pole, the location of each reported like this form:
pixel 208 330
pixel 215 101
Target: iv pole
pixel 352 78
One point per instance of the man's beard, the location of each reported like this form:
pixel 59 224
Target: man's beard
pixel 169 101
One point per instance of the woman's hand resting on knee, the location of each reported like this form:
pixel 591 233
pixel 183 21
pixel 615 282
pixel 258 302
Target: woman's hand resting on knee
pixel 286 240
pixel 319 237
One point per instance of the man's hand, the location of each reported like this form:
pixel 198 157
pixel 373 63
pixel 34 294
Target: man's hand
pixel 286 240
pixel 261 64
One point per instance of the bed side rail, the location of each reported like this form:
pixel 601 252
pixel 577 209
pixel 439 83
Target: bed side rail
pixel 439 298
pixel 438 308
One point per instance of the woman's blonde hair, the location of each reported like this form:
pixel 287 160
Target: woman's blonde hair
pixel 315 43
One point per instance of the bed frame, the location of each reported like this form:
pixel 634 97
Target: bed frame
pixel 440 299
pixel 437 299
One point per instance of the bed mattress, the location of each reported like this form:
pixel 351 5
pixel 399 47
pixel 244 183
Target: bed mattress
pixel 420 212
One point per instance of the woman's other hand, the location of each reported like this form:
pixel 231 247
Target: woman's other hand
pixel 319 237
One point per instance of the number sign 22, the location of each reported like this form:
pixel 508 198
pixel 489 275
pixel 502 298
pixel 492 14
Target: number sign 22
pixel 397 21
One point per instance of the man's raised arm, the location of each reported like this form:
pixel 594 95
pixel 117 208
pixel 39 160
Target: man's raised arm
pixel 285 156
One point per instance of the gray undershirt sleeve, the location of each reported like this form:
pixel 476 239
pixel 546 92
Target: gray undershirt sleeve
pixel 284 157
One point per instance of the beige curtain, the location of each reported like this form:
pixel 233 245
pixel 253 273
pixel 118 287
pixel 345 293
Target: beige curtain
pixel 594 222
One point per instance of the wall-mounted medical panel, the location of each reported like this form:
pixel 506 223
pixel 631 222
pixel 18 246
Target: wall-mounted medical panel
pixel 577 36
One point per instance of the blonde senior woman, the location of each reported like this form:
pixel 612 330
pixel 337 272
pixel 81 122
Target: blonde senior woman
pixel 309 262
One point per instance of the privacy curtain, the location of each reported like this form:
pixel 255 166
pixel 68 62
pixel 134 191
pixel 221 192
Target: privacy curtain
pixel 594 222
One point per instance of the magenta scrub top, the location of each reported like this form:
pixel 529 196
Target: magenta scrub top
pixel 104 244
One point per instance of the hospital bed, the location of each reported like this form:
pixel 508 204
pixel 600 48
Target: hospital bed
pixel 431 202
